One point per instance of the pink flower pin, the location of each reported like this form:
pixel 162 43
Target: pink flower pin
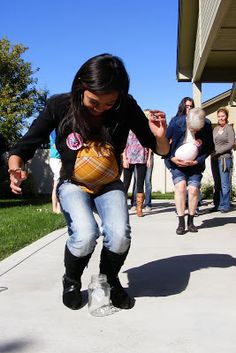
pixel 74 141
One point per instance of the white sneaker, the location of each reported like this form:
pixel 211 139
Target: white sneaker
pixel 147 209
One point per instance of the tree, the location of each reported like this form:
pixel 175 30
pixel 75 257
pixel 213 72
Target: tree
pixel 19 97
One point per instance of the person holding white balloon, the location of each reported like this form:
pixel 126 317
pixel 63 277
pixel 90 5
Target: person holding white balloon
pixel 184 107
pixel 191 143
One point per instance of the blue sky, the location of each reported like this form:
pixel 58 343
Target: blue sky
pixel 61 35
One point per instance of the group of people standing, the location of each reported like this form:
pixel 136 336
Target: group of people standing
pixel 191 126
pixel 92 124
pixel 188 127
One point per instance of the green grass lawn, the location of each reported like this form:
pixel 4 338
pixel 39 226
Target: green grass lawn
pixel 22 221
pixel 159 196
pixel 25 220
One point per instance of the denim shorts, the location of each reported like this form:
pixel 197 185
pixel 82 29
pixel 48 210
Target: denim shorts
pixel 191 177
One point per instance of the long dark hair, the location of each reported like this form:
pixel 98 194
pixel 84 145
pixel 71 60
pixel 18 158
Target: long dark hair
pixel 182 107
pixel 100 74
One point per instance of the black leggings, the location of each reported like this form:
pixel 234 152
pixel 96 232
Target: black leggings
pixel 141 172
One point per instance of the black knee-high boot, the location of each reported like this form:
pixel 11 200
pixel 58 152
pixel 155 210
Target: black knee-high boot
pixel 110 265
pixel 74 267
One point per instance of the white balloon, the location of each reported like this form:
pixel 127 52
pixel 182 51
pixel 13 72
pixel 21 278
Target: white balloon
pixel 187 152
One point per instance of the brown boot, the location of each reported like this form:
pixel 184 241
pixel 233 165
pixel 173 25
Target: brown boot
pixel 139 204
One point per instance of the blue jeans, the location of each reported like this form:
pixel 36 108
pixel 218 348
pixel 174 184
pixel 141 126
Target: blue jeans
pixel 148 187
pixel 78 208
pixel 222 187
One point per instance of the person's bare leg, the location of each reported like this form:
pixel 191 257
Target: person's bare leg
pixel 193 193
pixel 56 208
pixel 180 198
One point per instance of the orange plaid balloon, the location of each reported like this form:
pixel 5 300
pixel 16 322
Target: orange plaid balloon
pixel 95 166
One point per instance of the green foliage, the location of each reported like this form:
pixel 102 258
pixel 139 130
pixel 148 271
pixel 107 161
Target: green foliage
pixel 233 192
pixel 207 191
pixel 19 97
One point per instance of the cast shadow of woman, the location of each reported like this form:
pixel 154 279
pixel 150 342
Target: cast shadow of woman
pixel 170 276
pixel 217 222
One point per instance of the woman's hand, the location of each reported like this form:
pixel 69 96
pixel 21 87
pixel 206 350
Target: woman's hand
pixel 149 163
pixel 149 159
pixel 125 163
pixel 157 123
pixel 198 143
pixel 158 126
pixel 181 163
pixel 17 175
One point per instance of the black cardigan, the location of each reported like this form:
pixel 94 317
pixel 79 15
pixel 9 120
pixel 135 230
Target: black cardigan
pixel 128 117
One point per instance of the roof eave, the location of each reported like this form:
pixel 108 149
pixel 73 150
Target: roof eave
pixel 187 28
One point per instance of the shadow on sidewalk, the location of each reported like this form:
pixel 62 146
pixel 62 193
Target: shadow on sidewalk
pixel 217 222
pixel 157 208
pixel 14 346
pixel 171 275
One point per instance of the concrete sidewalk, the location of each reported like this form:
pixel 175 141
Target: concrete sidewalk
pixel 185 291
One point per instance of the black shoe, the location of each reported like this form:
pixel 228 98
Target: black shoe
pixel 214 209
pixel 71 297
pixel 120 298
pixel 180 230
pixel 192 228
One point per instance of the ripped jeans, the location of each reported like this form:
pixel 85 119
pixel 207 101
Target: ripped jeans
pixel 78 208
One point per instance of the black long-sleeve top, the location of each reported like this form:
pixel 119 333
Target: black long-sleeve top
pixel 118 122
